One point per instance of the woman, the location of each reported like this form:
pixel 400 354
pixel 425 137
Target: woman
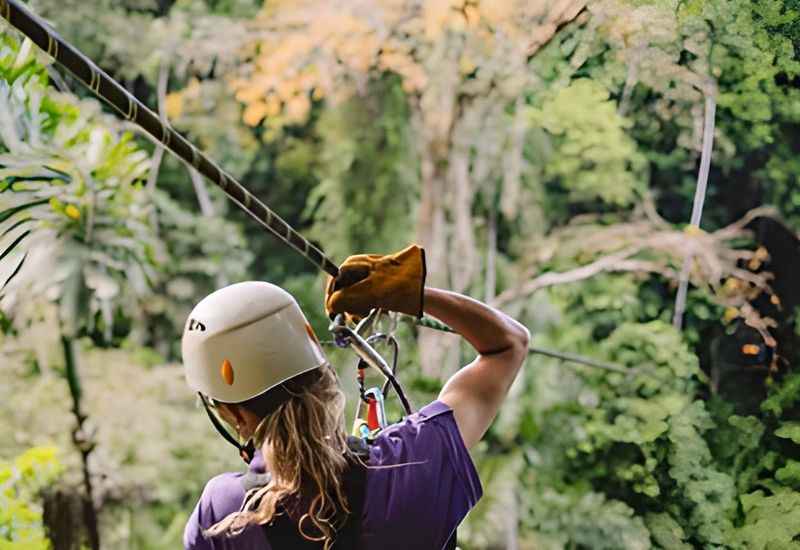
pixel 251 355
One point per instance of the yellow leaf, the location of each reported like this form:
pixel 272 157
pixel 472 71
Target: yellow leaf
pixel 173 105
pixel 286 89
pixel 72 212
pixel 434 15
pixel 273 106
pixel 499 14
pixel 255 113
pixel 193 89
pixel 693 230
pixel 472 15
pixel 730 314
pixel 731 286
pixel 753 264
pixel 466 65
pixel 249 93
pixel 297 108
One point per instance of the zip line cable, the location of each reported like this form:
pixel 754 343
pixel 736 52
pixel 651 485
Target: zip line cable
pixel 565 357
pixel 110 91
pixel 133 110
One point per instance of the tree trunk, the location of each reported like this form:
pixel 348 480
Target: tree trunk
pixel 435 348
pixel 491 255
pixel 63 518
pixel 83 442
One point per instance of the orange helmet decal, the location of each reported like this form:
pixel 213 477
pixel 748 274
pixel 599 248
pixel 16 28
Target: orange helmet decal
pixel 226 370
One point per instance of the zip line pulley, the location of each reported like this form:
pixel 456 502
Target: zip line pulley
pixel 373 399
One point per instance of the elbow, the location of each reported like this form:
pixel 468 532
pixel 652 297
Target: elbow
pixel 520 338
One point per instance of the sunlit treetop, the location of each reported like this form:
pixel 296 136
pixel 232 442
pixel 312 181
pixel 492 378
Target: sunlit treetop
pixel 310 50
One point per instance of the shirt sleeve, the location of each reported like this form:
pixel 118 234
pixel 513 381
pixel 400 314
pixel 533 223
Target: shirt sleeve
pixel 218 500
pixel 222 496
pixel 421 482
pixel 193 538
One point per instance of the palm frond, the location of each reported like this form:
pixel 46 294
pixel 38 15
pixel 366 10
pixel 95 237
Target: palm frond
pixel 15 225
pixel 9 212
pixel 14 244
pixel 15 272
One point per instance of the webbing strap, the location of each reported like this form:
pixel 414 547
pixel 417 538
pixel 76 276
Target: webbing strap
pixel 110 91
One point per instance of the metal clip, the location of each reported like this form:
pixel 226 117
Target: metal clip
pixel 344 336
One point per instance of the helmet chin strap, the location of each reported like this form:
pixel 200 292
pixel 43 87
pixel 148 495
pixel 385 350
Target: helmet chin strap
pixel 246 451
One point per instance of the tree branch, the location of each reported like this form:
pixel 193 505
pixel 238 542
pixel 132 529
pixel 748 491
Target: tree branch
pixel 612 262
pixel 714 260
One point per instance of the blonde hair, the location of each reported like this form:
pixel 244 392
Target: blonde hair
pixel 309 445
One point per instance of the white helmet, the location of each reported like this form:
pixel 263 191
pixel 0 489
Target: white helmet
pixel 244 340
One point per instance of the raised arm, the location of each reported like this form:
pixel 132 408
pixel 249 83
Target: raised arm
pixel 476 392
pixel 397 282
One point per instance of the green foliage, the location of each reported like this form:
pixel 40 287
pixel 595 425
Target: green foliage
pixel 155 447
pixel 772 520
pixel 104 257
pixel 200 254
pixel 643 448
pixel 71 204
pixel 365 159
pixel 783 396
pixel 705 496
pixel 593 157
pixel 585 519
pixel 666 532
pixel 613 106
pixel 789 430
pixel 20 482
pixel 751 51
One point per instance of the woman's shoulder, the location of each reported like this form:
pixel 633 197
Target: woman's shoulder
pixel 222 495
pixel 420 436
pixel 421 482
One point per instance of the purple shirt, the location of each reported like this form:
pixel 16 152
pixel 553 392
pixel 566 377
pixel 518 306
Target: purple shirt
pixel 417 504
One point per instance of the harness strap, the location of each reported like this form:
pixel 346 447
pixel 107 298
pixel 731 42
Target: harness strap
pixel 252 480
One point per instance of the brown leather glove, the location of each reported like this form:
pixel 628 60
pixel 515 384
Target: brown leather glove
pixel 395 282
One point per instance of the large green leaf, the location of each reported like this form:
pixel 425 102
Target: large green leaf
pixel 789 430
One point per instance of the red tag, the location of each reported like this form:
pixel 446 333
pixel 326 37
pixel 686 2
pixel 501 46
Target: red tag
pixel 372 414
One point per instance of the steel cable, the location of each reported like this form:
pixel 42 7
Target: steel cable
pixel 110 91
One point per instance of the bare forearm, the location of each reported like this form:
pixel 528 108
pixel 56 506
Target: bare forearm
pixel 476 392
pixel 487 329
